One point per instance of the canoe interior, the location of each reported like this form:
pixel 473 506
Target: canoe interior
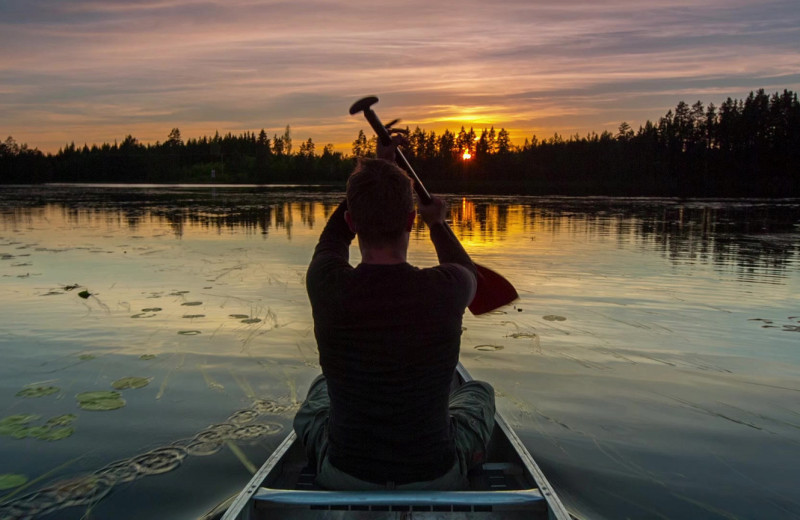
pixel 500 489
pixel 508 486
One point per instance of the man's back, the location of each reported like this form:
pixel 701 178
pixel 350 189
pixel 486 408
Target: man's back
pixel 388 338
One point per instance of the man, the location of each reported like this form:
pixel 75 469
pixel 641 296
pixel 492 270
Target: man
pixel 382 416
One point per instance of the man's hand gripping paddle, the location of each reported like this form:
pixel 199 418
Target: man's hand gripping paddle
pixel 493 290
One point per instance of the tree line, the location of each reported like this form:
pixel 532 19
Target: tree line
pixel 747 147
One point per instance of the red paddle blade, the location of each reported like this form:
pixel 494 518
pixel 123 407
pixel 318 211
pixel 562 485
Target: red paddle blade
pixel 493 292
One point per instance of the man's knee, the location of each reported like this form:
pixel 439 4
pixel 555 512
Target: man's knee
pixel 473 409
pixel 311 421
pixel 475 395
pixel 314 409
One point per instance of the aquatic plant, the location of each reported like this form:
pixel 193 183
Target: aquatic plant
pixel 100 400
pixel 38 391
pixel 62 420
pixel 131 382
pixel 20 426
pixel 11 481
pixel 89 489
pixel 13 423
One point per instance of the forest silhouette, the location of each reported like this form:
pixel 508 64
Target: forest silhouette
pixel 743 148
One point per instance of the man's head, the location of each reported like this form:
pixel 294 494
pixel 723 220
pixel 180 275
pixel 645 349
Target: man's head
pixel 380 202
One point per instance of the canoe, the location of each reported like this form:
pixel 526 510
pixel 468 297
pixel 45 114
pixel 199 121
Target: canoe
pixel 509 485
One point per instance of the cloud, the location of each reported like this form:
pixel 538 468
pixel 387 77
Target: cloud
pixel 95 71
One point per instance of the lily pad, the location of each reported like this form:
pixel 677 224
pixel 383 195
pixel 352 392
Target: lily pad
pixel 193 316
pixel 159 460
pixel 53 434
pixel 131 382
pixel 20 433
pixel 38 391
pixel 147 357
pixel 191 304
pixel 84 294
pixel 488 348
pixel 151 309
pixel 254 431
pixel 553 317
pixel 100 400
pixel 517 335
pixel 189 332
pixel 252 320
pixel 62 420
pixel 239 316
pixel 13 424
pixel 86 357
pixel 11 481
pixel 55 429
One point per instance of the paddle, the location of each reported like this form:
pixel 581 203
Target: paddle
pixel 493 290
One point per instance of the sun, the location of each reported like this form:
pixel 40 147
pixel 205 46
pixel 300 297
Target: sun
pixel 466 156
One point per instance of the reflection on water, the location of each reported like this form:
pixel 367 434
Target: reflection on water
pixel 757 239
pixel 651 363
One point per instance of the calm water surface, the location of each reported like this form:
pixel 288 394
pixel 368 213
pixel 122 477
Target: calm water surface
pixel 652 364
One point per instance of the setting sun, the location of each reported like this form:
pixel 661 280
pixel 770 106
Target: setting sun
pixel 467 156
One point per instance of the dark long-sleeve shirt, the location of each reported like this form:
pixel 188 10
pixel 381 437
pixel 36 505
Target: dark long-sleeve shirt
pixel 388 338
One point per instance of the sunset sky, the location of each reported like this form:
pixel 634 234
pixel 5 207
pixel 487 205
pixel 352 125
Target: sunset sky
pixel 93 71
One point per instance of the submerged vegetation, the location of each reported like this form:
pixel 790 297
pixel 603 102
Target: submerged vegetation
pixel 747 147
pixel 246 426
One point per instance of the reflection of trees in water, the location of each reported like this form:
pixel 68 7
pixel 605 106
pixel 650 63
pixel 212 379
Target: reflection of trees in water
pixel 254 211
pixel 482 221
pixel 757 239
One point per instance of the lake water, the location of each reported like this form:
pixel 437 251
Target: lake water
pixel 651 365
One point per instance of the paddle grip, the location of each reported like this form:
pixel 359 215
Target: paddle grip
pixel 363 105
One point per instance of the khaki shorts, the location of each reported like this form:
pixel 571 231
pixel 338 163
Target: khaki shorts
pixel 472 411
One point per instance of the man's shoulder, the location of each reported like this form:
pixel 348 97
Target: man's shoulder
pixel 453 279
pixel 451 269
pixel 326 267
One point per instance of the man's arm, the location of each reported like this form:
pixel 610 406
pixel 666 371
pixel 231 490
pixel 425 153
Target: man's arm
pixel 336 237
pixel 448 248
